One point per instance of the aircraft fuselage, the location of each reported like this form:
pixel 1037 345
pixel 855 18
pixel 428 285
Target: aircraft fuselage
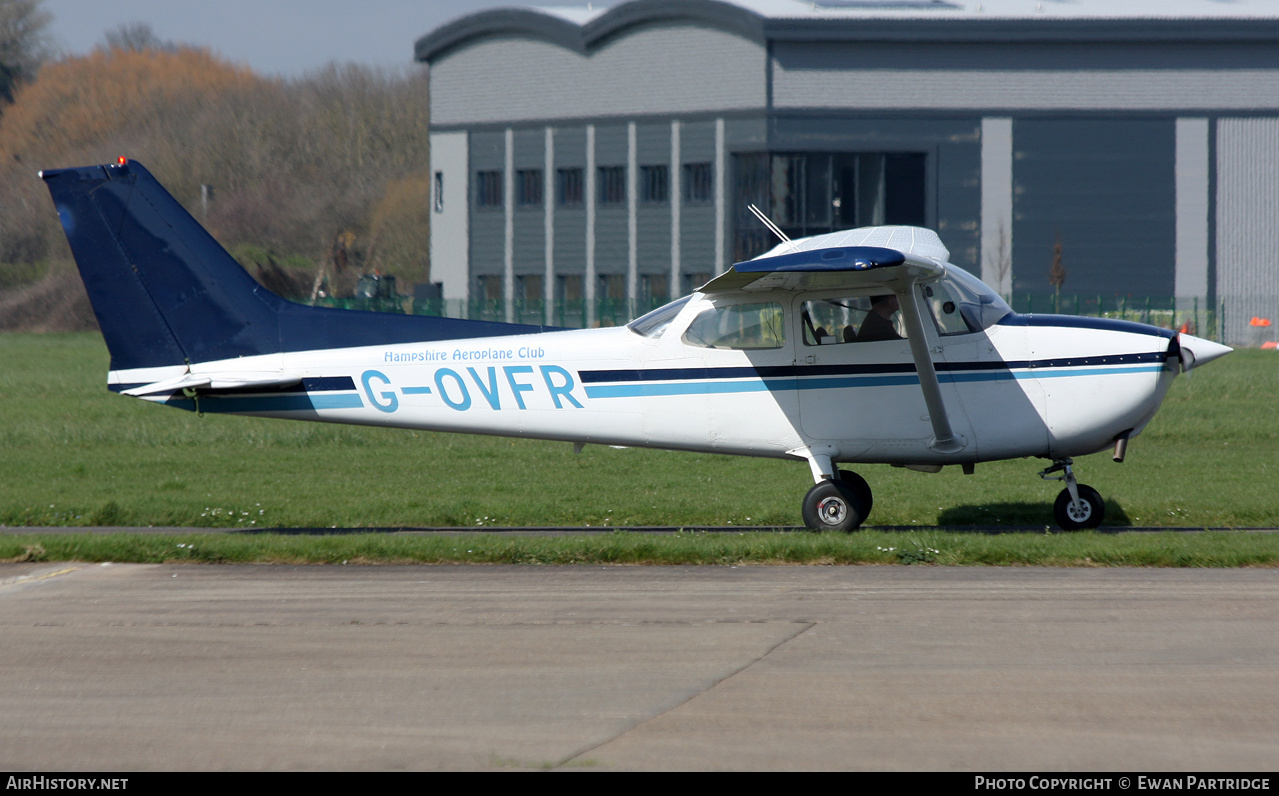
pixel 1044 386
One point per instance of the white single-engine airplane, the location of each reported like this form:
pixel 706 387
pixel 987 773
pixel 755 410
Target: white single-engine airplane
pixel 864 346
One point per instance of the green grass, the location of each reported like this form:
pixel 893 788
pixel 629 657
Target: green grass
pixel 17 275
pixel 72 453
pixel 1159 549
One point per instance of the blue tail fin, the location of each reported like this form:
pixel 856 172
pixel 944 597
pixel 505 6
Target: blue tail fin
pixel 165 292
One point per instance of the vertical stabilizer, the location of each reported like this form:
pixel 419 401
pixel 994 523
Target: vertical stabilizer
pixel 166 293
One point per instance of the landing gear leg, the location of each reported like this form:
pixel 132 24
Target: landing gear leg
pixel 1078 505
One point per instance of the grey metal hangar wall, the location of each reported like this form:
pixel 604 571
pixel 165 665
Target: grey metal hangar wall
pixel 612 155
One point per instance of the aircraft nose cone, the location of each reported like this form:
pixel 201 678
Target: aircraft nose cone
pixel 1197 351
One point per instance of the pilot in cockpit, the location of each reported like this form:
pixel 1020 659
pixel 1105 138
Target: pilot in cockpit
pixel 878 324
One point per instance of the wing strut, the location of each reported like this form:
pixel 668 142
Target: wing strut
pixel 944 439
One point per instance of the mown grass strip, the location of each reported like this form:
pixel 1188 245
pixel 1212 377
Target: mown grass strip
pixel 73 454
pixel 1084 549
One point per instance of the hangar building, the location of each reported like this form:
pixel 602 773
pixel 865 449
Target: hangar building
pixel 586 158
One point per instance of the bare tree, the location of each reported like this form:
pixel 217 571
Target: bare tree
pixel 1057 273
pixel 295 163
pixel 137 37
pixel 23 42
pixel 1000 261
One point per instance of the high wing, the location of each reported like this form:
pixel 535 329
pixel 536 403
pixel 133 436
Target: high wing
pixel 893 259
pixel 889 257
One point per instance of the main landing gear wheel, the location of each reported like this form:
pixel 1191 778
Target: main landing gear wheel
pixel 1088 514
pixel 862 489
pixel 833 506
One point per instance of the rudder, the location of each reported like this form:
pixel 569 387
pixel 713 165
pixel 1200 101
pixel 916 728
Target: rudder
pixel 163 290
pixel 166 293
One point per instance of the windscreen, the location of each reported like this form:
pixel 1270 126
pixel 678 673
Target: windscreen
pixel 962 303
pixel 654 323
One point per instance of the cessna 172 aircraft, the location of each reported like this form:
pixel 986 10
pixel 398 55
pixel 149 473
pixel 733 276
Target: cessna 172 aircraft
pixel 864 346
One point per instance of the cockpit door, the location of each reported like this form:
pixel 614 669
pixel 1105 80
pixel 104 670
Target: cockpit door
pixel 856 377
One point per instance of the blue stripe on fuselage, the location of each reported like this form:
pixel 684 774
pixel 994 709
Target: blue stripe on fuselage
pixel 701 381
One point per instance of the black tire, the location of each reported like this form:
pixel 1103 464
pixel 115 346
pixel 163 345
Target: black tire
pixel 833 506
pixel 1094 509
pixel 862 489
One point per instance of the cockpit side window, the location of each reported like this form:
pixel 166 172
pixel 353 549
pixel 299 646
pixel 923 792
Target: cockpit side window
pixel 738 326
pixel 946 309
pixel 854 319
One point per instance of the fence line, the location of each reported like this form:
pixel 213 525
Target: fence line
pixel 1194 315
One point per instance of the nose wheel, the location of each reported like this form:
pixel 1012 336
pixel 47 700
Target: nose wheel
pixel 1086 513
pixel 1078 506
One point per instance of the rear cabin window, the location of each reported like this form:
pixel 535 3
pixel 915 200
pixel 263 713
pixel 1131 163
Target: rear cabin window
pixel 738 326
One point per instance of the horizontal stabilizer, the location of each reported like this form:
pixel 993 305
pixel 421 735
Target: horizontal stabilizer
pixel 214 381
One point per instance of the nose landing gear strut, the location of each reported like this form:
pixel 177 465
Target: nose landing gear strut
pixel 1079 505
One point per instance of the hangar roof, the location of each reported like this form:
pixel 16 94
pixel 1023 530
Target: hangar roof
pixel 584 28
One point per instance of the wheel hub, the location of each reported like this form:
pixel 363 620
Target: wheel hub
pixel 832 510
pixel 1079 512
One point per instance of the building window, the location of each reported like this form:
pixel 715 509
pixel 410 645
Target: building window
pixel 488 287
pixel 612 185
pixel 528 288
pixel 568 287
pixel 612 287
pixel 655 287
pixel 811 193
pixel 691 282
pixel 528 187
pixel 438 187
pixel 654 184
pixel 568 186
pixel 488 189
pixel 699 182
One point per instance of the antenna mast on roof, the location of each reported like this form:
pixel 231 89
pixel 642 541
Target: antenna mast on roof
pixel 768 222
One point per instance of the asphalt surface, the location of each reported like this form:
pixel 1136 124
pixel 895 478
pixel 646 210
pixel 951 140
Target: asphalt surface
pixel 191 667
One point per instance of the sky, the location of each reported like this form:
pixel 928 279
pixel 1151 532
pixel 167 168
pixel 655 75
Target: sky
pixel 292 37
pixel 273 37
